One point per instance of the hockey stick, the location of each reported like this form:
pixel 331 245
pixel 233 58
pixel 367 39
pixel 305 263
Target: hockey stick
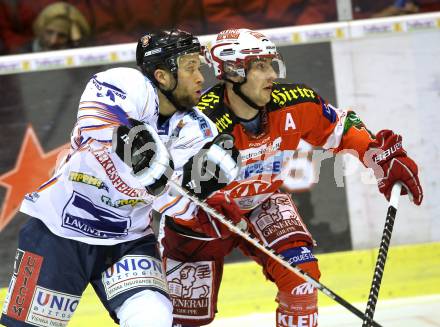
pixel 382 256
pixel 271 253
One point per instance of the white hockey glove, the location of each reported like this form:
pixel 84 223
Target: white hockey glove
pixel 216 165
pixel 139 146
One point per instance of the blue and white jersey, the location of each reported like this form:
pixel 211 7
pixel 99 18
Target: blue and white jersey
pixel 184 134
pixel 93 196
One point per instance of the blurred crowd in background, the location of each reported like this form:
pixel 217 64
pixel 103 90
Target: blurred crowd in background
pixel 42 25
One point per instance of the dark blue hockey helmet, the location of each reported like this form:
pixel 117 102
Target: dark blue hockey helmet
pixel 161 50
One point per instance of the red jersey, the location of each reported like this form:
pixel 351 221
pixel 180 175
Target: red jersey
pixel 294 112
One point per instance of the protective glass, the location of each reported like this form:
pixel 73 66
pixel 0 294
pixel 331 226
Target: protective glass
pixel 267 63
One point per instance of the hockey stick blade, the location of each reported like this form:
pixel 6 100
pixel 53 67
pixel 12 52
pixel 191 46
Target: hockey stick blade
pixel 271 253
pixel 382 255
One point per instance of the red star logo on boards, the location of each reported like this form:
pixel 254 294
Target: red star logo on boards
pixel 32 168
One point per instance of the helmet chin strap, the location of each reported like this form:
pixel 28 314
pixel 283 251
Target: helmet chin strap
pixel 236 86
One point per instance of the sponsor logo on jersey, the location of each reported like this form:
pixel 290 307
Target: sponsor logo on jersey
pixel 298 255
pixel 303 289
pixel 277 219
pixel 27 268
pixel 203 124
pixel 223 122
pixel 110 169
pixel 133 271
pixel 191 289
pixel 208 100
pixel 87 179
pixel 121 202
pixel 82 215
pixel 259 142
pixel 273 229
pixel 253 153
pixel 272 165
pixel 51 308
pixel 285 320
pixel 285 95
pixel 250 188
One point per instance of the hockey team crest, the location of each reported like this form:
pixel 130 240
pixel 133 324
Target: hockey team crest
pixel 191 289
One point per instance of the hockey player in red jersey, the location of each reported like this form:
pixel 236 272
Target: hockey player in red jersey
pixel 268 120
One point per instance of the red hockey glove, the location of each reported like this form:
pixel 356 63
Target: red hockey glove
pixel 395 166
pixel 228 208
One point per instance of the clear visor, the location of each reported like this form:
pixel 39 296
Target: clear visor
pixel 191 59
pixel 267 64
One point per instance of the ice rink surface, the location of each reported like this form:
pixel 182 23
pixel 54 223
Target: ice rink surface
pixel 406 312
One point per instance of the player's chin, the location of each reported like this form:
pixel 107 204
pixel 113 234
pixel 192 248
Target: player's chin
pixel 196 98
pixel 264 98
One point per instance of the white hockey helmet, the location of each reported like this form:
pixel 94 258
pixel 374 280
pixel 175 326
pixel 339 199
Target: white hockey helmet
pixel 234 49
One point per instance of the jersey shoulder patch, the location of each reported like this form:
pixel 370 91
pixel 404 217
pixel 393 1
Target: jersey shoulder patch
pixel 284 95
pixel 212 105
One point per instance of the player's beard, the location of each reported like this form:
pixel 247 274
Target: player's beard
pixel 186 102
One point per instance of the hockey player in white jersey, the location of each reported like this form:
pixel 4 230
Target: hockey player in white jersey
pixel 90 223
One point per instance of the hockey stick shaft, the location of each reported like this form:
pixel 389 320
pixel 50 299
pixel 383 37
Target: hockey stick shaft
pixel 382 255
pixel 271 253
